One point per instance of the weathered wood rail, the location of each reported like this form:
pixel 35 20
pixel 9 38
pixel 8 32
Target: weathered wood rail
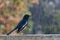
pixel 31 37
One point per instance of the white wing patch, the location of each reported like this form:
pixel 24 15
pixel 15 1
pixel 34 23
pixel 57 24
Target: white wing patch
pixel 24 26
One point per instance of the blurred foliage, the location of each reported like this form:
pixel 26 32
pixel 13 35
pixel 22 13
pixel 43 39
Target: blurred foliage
pixel 12 11
pixel 51 18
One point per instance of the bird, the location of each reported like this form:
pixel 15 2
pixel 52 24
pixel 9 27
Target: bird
pixel 21 25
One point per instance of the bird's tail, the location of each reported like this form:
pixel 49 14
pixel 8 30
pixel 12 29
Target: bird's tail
pixel 11 31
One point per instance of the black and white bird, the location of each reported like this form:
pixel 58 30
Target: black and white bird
pixel 21 25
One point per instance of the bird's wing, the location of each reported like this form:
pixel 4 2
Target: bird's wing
pixel 20 29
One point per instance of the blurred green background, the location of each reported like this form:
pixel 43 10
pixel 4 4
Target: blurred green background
pixel 45 16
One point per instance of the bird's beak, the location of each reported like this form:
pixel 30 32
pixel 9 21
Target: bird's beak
pixel 29 15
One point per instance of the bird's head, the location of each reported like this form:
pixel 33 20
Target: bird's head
pixel 26 16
